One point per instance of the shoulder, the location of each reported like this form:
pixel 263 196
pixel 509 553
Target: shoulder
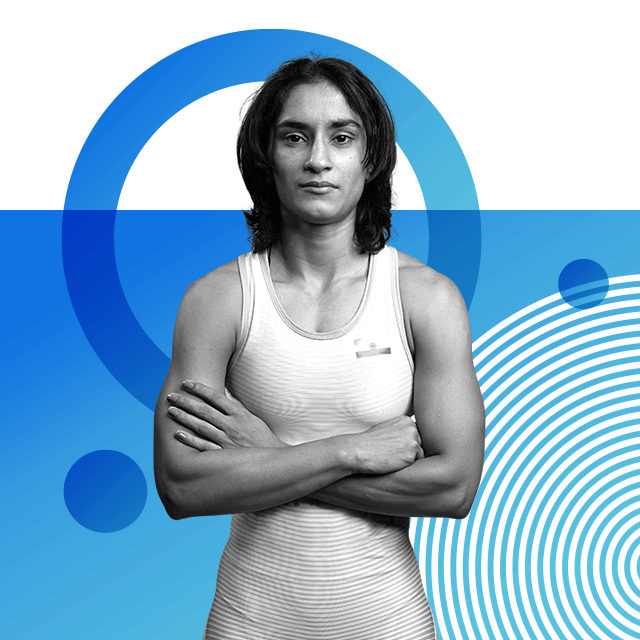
pixel 211 306
pixel 218 287
pixel 427 295
pixel 435 313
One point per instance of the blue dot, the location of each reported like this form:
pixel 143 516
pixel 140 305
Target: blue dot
pixel 583 284
pixel 105 491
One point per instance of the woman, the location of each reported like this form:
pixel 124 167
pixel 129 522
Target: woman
pixel 328 340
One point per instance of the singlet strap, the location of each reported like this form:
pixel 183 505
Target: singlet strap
pixel 397 304
pixel 248 303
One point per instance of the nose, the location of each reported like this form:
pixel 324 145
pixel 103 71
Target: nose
pixel 319 158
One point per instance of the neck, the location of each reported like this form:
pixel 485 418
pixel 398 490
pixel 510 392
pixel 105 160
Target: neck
pixel 321 252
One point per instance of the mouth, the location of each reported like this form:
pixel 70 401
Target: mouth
pixel 318 185
pixel 318 188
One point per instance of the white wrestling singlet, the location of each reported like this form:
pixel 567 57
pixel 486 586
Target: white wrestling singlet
pixel 308 570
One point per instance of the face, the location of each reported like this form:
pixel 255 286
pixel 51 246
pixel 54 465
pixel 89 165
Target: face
pixel 317 147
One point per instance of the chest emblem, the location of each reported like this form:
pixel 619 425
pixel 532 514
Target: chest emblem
pixel 367 348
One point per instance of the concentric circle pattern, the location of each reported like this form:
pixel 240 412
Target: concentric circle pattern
pixel 551 548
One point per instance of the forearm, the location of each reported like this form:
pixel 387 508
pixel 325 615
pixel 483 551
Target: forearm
pixel 241 479
pixel 430 487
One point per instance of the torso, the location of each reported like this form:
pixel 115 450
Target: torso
pixel 309 570
pixel 292 376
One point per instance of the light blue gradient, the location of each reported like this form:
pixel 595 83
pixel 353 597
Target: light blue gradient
pixel 156 578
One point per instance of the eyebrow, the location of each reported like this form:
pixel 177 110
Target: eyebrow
pixel 336 124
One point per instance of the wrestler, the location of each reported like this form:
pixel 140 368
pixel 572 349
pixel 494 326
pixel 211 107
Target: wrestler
pixel 328 341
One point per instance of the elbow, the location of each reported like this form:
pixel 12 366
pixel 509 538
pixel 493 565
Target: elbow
pixel 461 500
pixel 173 490
pixel 452 501
pixel 460 508
pixel 171 505
pixel 463 487
pixel 174 510
pixel 456 492
pixel 173 500
pixel 182 500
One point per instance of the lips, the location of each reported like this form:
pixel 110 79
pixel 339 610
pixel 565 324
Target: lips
pixel 318 185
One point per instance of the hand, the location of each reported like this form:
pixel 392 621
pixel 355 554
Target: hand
pixel 388 446
pixel 217 421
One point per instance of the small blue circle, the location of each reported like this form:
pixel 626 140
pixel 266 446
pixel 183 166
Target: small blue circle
pixel 105 491
pixel 583 284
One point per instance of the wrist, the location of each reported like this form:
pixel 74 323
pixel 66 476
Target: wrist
pixel 347 454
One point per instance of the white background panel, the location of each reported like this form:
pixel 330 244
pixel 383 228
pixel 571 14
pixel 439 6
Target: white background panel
pixel 543 97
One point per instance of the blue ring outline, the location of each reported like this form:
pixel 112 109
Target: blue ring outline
pixel 175 82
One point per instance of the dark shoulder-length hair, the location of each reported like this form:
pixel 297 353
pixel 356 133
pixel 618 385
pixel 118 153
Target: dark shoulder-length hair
pixel 373 213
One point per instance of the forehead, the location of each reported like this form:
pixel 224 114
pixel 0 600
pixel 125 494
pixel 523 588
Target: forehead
pixel 317 102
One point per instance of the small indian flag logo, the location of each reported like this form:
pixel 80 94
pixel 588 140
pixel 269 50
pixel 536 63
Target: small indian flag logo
pixel 366 348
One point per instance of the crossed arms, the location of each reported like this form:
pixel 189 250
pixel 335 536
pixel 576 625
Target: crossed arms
pixel 213 456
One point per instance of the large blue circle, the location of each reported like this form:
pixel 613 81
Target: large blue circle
pixel 105 491
pixel 175 82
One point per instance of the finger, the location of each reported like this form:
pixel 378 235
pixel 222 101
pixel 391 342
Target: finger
pixel 216 399
pixel 201 428
pixel 195 442
pixel 420 453
pixel 199 409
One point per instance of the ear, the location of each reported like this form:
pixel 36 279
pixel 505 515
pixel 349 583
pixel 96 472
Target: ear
pixel 367 172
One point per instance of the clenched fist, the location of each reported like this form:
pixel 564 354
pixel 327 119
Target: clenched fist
pixel 388 446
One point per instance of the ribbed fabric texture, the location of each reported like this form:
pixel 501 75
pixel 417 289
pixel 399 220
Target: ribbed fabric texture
pixel 308 570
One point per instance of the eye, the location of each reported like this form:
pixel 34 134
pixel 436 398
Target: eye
pixel 294 138
pixel 342 139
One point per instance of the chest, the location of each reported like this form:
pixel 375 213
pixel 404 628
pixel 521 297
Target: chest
pixel 321 309
pixel 309 389
pixel 313 364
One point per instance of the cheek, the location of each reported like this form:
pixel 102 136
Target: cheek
pixel 282 185
pixel 281 168
pixel 357 179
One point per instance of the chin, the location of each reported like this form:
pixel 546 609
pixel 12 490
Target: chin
pixel 326 218
pixel 320 215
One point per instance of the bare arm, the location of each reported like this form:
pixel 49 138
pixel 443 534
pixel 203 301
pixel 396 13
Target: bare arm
pixel 448 409
pixel 238 479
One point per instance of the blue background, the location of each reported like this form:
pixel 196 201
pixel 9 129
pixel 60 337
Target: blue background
pixel 156 578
